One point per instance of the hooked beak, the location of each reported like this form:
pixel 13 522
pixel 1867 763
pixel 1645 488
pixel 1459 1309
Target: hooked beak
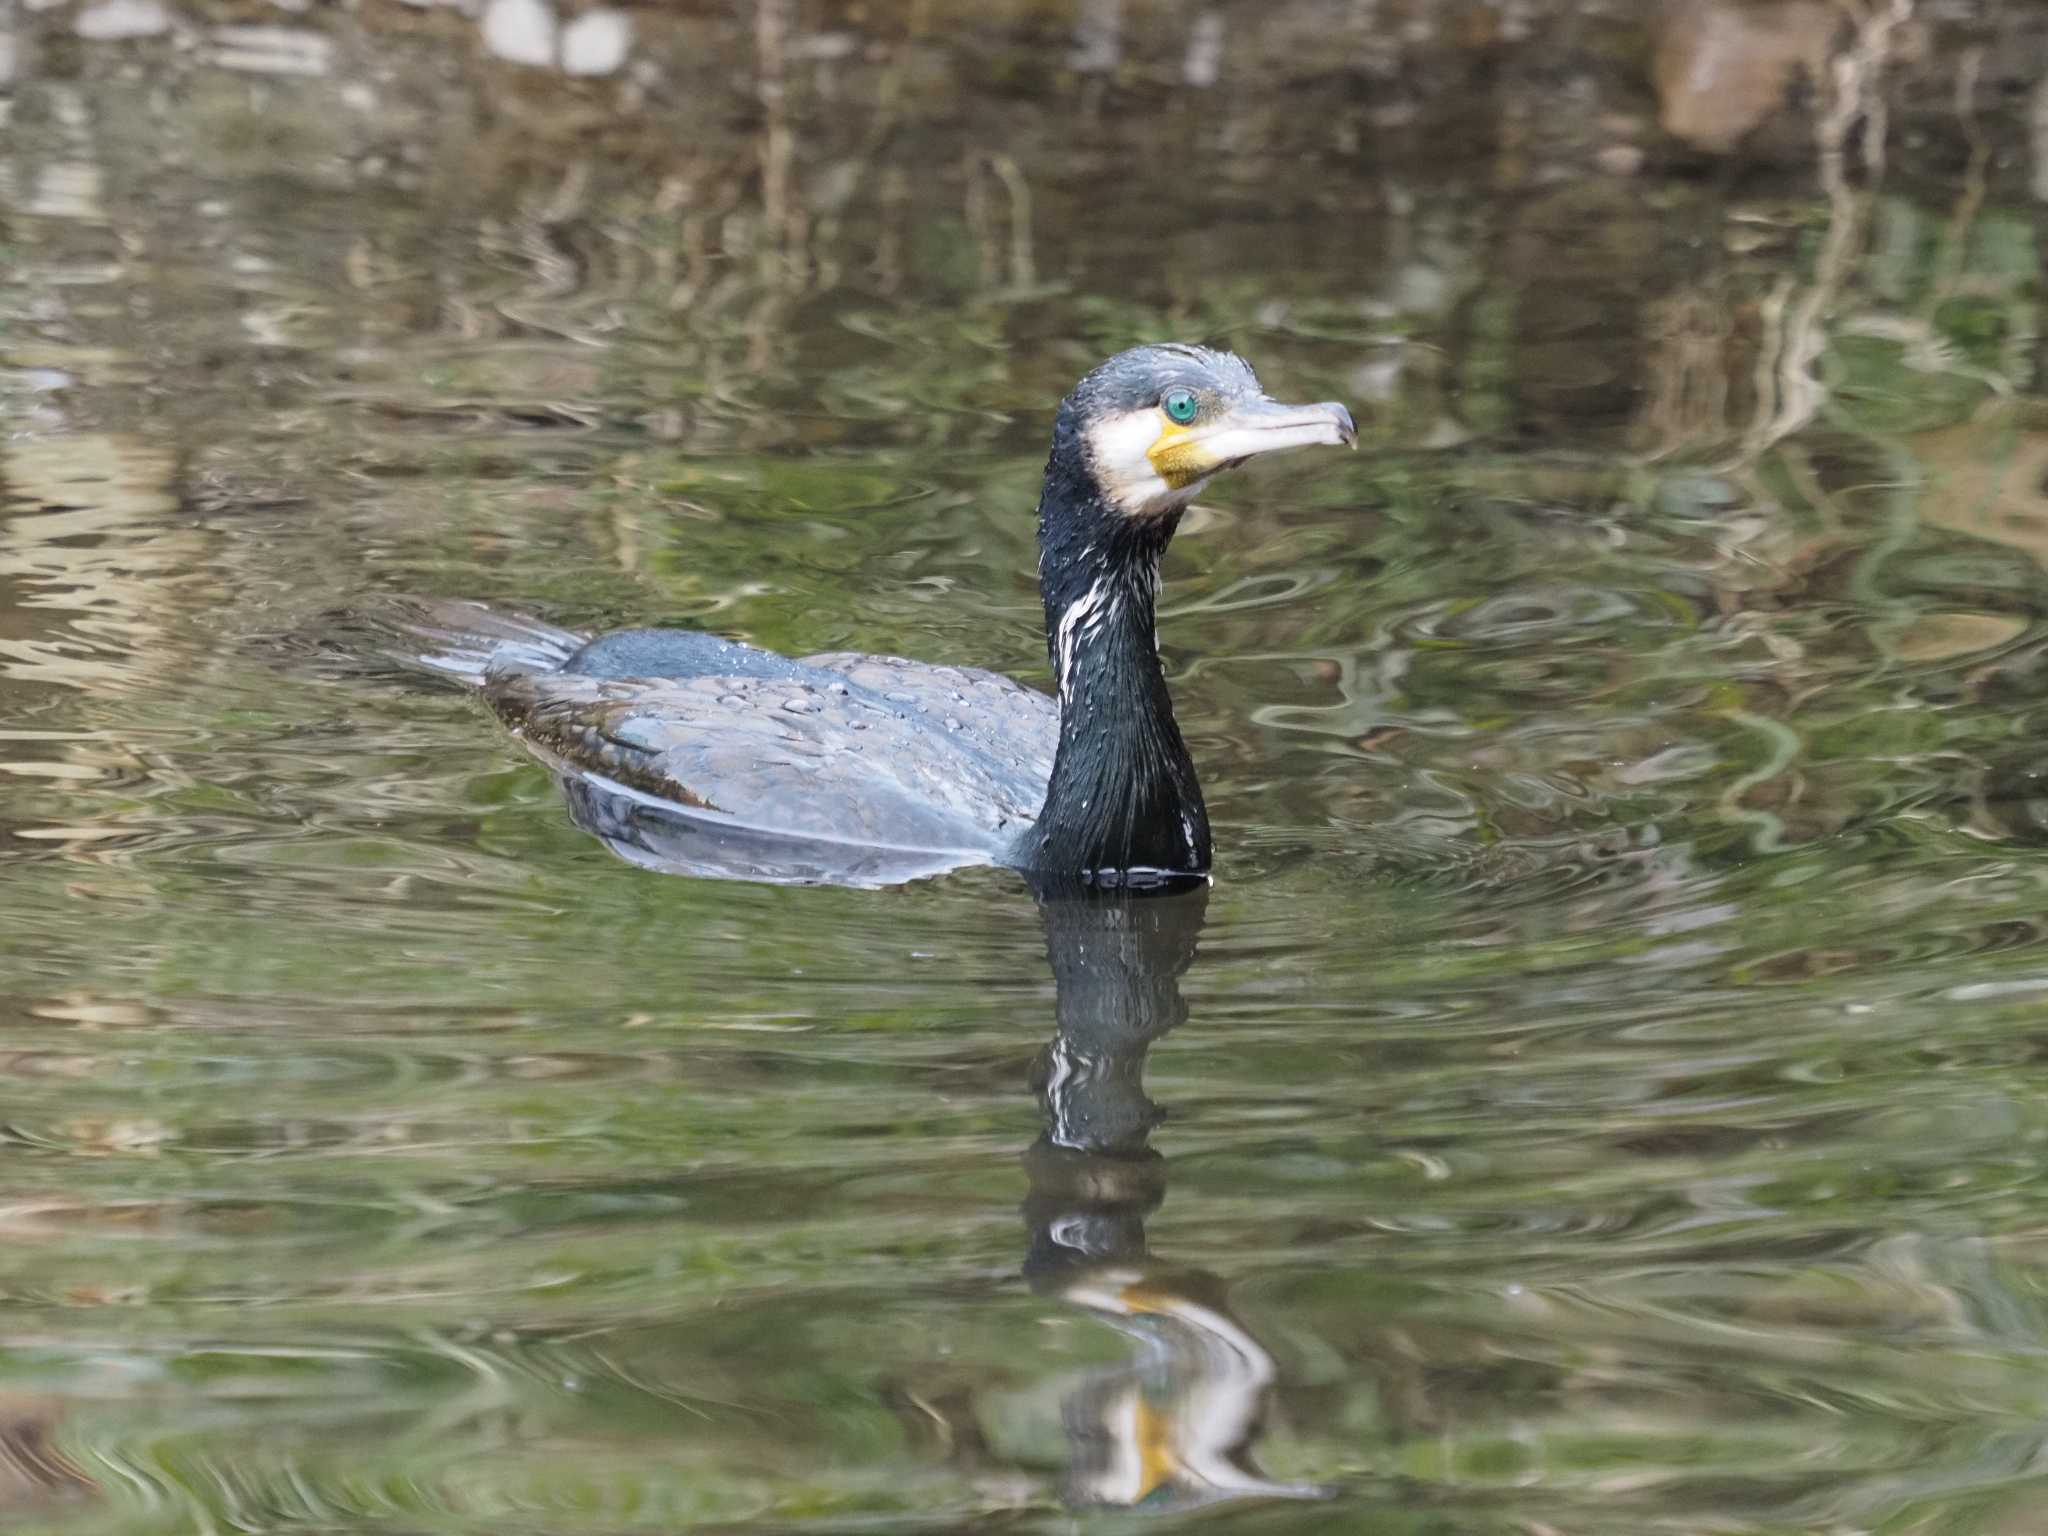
pixel 1249 428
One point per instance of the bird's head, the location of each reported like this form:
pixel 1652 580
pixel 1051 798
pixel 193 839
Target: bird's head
pixel 1152 424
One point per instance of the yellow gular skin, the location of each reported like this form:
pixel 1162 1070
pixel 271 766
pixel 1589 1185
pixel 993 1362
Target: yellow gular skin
pixel 1178 456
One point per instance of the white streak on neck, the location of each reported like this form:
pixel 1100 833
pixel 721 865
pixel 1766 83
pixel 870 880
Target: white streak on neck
pixel 1083 619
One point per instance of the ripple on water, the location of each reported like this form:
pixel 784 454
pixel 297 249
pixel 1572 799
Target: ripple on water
pixel 1609 1097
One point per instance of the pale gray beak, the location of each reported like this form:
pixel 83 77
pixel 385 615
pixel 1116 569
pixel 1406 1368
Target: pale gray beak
pixel 1252 427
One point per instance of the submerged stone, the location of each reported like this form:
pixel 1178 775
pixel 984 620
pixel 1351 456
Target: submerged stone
pixel 520 31
pixel 596 43
pixel 113 21
pixel 273 50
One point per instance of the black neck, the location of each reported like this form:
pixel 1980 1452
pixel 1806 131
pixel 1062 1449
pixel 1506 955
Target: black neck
pixel 1123 796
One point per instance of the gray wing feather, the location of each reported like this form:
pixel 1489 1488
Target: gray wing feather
pixel 1016 725
pixel 907 756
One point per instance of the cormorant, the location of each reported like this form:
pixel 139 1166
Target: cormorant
pixel 694 753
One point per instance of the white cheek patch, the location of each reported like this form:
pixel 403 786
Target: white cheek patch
pixel 1117 447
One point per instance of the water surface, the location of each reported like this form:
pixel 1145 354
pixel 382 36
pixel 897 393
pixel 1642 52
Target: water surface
pixel 1603 1090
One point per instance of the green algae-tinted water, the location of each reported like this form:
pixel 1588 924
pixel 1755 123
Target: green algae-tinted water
pixel 1603 1090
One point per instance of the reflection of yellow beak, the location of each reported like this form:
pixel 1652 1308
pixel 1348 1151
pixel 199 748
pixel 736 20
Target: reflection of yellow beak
pixel 1152 1438
pixel 1247 428
pixel 1175 1427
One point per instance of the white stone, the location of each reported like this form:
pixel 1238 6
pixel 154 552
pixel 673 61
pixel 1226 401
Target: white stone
pixel 66 189
pixel 596 43
pixel 112 21
pixel 273 50
pixel 520 31
pixel 1203 66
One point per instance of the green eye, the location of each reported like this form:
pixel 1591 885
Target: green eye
pixel 1180 405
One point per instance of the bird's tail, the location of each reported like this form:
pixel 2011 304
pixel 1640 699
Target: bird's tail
pixel 462 641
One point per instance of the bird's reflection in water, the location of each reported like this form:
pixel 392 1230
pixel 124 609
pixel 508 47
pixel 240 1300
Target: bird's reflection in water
pixel 1174 1425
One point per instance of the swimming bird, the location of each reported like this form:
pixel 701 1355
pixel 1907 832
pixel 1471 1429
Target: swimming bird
pixel 688 751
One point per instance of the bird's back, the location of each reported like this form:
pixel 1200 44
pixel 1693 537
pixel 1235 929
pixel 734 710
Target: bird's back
pixel 938 758
pixel 721 752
